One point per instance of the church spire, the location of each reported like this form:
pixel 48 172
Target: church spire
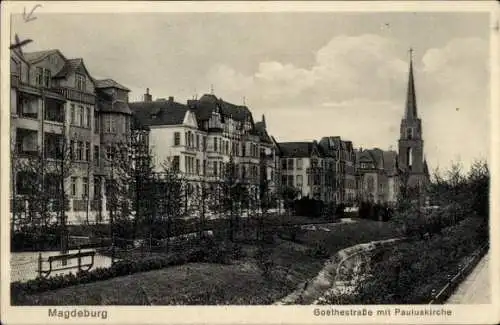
pixel 411 101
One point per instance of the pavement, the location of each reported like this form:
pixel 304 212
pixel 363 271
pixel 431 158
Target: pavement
pixel 476 288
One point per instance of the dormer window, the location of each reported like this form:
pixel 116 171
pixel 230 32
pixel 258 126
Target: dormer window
pixel 80 82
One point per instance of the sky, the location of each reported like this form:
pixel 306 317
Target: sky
pixel 311 74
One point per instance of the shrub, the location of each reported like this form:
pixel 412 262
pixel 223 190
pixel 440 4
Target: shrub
pixel 318 251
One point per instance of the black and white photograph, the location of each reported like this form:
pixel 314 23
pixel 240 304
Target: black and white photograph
pixel 205 154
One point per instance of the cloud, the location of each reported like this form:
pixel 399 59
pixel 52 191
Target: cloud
pixel 346 67
pixel 356 88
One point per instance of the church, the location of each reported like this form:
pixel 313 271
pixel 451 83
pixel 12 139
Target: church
pixel 380 173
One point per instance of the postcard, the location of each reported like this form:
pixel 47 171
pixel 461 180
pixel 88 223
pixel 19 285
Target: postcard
pixel 250 162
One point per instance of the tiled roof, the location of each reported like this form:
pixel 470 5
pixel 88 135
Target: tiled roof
pixel 207 103
pixel 159 112
pixel 295 149
pixel 113 107
pixel 109 83
pixel 39 55
pixel 70 66
pixel 386 160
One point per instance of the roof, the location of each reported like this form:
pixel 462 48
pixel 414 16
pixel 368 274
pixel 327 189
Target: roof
pixel 109 83
pixel 113 107
pixel 72 66
pixel 32 57
pixel 296 149
pixel 386 160
pixel 159 112
pixel 208 103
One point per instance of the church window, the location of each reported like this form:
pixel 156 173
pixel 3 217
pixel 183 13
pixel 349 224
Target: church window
pixel 409 157
pixel 409 133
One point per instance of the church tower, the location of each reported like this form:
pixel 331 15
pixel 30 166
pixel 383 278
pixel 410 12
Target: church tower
pixel 411 143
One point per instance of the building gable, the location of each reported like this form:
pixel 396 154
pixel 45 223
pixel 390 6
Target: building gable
pixel 190 119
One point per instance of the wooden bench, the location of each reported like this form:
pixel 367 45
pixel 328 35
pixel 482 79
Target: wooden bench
pixel 64 258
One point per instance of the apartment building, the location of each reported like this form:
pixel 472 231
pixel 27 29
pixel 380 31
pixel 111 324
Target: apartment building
pixel 199 138
pixel 59 112
pixel 304 167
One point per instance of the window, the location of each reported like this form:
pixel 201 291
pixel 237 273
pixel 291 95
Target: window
pixel 290 164
pixel 72 149
pixel 96 122
pixel 186 139
pixel 85 187
pixel 97 187
pixel 46 78
pixel 290 180
pixel 39 76
pixel 83 116
pixel 87 151
pixel 299 180
pixel 198 141
pixel 409 133
pixel 73 185
pixel 109 124
pixel 73 114
pixel 53 145
pixel 176 163
pixel 177 138
pixel 79 150
pixel 215 144
pixel 283 164
pixel 197 166
pixel 89 116
pixel 78 116
pixel 80 82
pixel 215 168
pixel 204 167
pixel 96 155
pixel 299 163
pixel 243 148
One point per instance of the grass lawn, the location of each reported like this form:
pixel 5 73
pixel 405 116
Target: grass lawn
pixel 343 235
pixel 239 283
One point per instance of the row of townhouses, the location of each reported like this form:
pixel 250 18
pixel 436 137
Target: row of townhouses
pixel 55 102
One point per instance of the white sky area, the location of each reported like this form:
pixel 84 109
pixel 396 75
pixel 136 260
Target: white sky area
pixel 311 74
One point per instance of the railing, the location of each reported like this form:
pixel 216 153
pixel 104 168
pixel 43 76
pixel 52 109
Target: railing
pixel 75 95
pixel 453 282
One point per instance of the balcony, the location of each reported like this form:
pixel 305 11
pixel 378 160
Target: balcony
pixel 54 110
pixel 75 95
pixel 26 143
pixel 27 106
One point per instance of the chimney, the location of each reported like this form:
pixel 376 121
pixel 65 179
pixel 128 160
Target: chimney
pixel 170 98
pixel 147 96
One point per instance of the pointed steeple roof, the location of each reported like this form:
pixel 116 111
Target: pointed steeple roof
pixel 411 101
pixel 264 120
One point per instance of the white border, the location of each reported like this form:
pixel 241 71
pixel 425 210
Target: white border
pixel 468 314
